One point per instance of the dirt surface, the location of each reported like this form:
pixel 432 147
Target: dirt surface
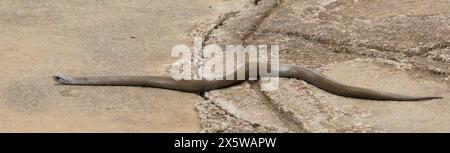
pixel 45 38
pixel 397 46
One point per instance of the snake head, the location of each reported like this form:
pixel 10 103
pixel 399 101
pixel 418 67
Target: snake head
pixel 63 79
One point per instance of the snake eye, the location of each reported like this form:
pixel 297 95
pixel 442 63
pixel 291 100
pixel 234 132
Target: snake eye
pixel 62 79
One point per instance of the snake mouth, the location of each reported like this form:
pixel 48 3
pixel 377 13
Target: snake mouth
pixel 62 79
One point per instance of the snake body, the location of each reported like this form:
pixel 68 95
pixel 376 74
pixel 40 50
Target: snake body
pixel 201 86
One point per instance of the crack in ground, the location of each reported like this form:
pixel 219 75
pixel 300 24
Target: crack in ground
pixel 396 55
pixel 252 124
pixel 258 22
pixel 344 45
pixel 286 117
pixel 218 24
pixel 208 122
pixel 256 2
pixel 440 45
pixel 439 57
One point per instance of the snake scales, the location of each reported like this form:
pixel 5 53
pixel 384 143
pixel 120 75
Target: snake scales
pixel 201 86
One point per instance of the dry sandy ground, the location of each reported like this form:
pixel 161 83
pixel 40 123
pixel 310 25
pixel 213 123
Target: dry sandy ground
pixel 41 39
pixel 398 46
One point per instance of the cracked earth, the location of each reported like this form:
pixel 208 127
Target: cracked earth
pixel 396 46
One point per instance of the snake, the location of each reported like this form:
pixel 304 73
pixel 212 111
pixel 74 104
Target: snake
pixel 204 85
